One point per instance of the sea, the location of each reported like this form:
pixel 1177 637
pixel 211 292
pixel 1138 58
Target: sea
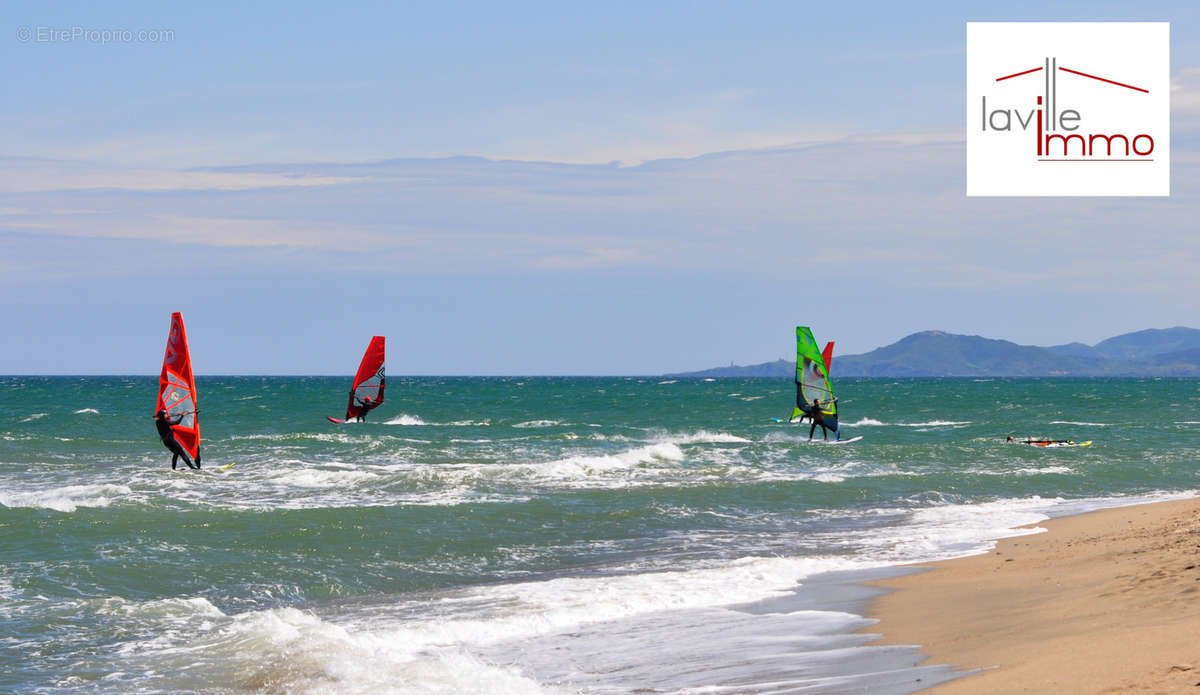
pixel 529 535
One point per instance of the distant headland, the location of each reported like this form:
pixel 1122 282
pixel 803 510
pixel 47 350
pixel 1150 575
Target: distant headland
pixel 1152 352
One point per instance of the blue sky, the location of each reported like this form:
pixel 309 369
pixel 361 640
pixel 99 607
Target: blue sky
pixel 541 188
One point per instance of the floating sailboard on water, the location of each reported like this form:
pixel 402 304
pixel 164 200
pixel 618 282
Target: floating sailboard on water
pixel 177 389
pixel 812 378
pixel 368 381
pixel 1052 443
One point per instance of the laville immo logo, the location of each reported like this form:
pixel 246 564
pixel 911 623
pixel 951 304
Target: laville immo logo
pixel 1068 109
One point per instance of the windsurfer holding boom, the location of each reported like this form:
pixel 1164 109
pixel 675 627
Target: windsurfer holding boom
pixel 163 422
pixel 818 418
pixel 367 404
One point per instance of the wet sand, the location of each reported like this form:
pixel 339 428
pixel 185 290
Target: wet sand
pixel 1105 602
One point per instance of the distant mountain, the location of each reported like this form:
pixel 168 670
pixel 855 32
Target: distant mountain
pixel 1148 343
pixel 1154 352
pixel 1076 349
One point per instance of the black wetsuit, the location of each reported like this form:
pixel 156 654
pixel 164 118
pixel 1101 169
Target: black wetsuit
pixel 367 406
pixel 814 413
pixel 167 435
pixel 818 418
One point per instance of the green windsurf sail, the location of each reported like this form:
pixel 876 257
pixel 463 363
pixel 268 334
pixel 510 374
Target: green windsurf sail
pixel 812 379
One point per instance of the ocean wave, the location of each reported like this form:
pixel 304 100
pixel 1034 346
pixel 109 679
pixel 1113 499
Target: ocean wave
pixel 706 437
pixel 668 381
pixel 580 468
pixel 339 437
pixel 87 411
pixel 872 422
pixel 403 419
pixel 539 423
pixel 65 499
pixel 467 644
pixel 194 607
pixel 35 416
pixel 865 422
pixel 298 652
pixel 319 478
pixel 1081 424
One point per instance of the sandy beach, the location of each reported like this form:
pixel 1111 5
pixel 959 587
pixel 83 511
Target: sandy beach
pixel 1106 602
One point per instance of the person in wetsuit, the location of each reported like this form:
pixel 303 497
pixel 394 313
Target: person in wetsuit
pixel 163 423
pixel 818 418
pixel 812 411
pixel 367 404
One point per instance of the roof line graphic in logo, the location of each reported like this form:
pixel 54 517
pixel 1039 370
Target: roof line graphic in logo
pixel 1050 118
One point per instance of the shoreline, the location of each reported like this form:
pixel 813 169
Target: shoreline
pixel 1105 601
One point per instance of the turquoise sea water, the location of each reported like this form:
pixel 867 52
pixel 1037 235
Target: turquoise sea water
pixel 526 535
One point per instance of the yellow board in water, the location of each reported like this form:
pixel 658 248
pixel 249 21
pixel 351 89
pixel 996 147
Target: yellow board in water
pixel 231 465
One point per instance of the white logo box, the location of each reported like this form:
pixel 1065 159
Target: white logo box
pixel 1104 118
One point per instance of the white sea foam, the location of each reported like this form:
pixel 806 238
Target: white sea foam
pixel 35 416
pixel 1043 471
pixel 669 381
pixel 539 423
pixel 87 411
pixel 484 639
pixel 298 652
pixel 339 437
pixel 581 469
pixel 317 478
pixel 65 499
pixel 829 478
pixel 403 419
pixel 1081 424
pixel 872 422
pixel 706 437
pixel 194 607
pixel 941 532
pixel 864 422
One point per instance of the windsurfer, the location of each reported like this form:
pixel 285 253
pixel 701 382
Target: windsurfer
pixel 818 418
pixel 367 404
pixel 163 422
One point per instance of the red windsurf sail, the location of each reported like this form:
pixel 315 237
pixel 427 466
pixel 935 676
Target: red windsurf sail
pixel 368 382
pixel 827 355
pixel 177 388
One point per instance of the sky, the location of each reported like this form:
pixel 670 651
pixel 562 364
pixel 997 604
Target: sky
pixel 542 188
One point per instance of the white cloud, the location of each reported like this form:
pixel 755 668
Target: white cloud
pixel 38 175
pixel 862 210
pixel 1185 94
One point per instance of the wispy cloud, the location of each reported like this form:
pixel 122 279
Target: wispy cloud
pixel 39 175
pixel 864 208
